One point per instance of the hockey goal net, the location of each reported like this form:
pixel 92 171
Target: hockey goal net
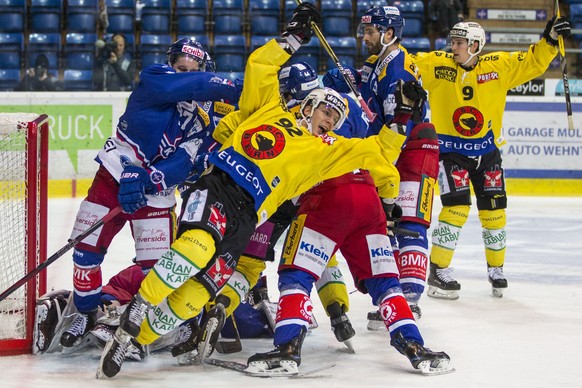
pixel 23 215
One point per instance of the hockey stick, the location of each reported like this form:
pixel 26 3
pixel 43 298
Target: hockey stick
pixel 230 346
pixel 345 74
pixel 564 67
pixel 112 213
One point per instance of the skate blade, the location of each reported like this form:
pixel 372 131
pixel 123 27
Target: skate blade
pixel 349 345
pixel 434 292
pixel 188 358
pixel 497 292
pixel 261 368
pixel 205 349
pixel 442 367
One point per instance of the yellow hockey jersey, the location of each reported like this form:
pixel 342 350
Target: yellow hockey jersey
pixel 273 159
pixel 467 106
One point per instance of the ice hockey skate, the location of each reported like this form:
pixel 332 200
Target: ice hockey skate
pixel 210 329
pixel 186 345
pixel 421 358
pixel 81 325
pixel 134 315
pixel 416 311
pixel 49 313
pixel 113 354
pixel 497 280
pixel 441 285
pixel 341 325
pixel 284 360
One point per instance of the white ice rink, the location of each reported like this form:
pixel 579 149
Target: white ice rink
pixel 532 337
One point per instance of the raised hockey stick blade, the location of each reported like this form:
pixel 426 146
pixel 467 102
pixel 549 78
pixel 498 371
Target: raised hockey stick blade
pixel 112 213
pixel 343 71
pixel 564 68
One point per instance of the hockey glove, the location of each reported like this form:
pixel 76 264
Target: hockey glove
pixel 555 28
pixel 393 214
pixel 335 80
pixel 298 30
pixel 133 186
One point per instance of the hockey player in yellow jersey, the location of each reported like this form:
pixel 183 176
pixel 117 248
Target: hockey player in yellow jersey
pixel 467 94
pixel 266 159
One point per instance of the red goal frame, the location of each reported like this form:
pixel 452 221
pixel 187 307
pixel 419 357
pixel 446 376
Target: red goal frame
pixel 37 133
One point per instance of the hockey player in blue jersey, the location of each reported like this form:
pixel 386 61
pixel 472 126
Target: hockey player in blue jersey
pixel 381 30
pixel 154 148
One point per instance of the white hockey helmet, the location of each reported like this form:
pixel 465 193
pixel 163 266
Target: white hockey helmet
pixel 325 96
pixel 471 31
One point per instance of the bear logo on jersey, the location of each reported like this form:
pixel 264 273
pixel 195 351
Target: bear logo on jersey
pixel 468 120
pixel 264 142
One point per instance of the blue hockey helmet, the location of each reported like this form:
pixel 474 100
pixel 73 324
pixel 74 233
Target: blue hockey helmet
pixel 190 48
pixel 298 80
pixel 382 18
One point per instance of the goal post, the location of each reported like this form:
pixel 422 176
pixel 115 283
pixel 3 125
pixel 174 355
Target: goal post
pixel 23 223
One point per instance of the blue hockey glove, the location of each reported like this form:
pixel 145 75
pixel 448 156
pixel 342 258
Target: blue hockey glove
pixel 133 186
pixel 334 79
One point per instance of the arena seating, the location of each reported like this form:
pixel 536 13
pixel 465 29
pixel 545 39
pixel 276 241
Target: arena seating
pixel 12 15
pixel 156 16
pixel 228 16
pixel 11 49
pixel 121 15
pixel 191 17
pixel 9 78
pixel 264 17
pixel 48 44
pixel 45 15
pixel 29 27
pixel 78 80
pixel 229 53
pixel 82 15
pixel 79 50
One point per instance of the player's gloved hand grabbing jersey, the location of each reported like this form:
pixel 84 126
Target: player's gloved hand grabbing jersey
pixel 298 30
pixel 393 214
pixel 410 98
pixel 134 184
pixel 555 28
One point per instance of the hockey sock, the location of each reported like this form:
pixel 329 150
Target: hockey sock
pixel 494 236
pixel 445 235
pixel 412 261
pixel 331 287
pixel 87 280
pixel 293 314
pixel 184 303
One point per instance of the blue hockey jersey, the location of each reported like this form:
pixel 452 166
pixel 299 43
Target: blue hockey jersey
pixel 163 127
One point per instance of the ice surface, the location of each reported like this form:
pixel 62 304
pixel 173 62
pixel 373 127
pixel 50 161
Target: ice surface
pixel 532 337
